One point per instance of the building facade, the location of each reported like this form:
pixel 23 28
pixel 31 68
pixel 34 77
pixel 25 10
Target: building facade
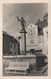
pixel 34 41
pixel 43 25
pixel 10 45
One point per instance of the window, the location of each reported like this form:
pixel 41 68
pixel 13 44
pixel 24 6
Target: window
pixel 30 25
pixel 39 40
pixel 15 46
pixel 31 32
pixel 11 46
pixel 31 41
pixel 47 34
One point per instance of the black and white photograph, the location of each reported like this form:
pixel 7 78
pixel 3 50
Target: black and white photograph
pixel 25 39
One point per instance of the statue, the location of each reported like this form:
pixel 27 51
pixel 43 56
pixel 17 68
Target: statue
pixel 23 23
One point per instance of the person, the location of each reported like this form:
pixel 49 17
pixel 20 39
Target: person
pixel 23 23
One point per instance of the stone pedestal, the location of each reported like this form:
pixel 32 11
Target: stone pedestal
pixel 23 41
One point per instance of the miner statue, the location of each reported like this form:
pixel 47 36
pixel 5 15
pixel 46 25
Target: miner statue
pixel 23 22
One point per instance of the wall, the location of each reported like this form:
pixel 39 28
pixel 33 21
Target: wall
pixel 6 45
pixel 13 48
pixel 45 32
pixel 34 41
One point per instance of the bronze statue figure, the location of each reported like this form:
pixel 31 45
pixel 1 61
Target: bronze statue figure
pixel 23 23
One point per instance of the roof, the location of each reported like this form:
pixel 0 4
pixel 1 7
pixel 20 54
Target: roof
pixel 46 15
pixel 42 24
pixel 11 37
pixel 5 33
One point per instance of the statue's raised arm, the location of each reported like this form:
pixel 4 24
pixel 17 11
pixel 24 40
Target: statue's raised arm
pixel 18 18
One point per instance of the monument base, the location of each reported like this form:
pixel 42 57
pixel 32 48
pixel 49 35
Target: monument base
pixel 21 58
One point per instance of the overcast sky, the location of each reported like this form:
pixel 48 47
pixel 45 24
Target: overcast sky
pixel 30 12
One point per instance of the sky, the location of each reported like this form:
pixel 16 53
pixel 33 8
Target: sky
pixel 31 12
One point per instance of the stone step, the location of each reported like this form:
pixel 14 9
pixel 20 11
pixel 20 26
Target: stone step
pixel 40 71
pixel 43 69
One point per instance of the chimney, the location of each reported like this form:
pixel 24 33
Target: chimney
pixel 38 20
